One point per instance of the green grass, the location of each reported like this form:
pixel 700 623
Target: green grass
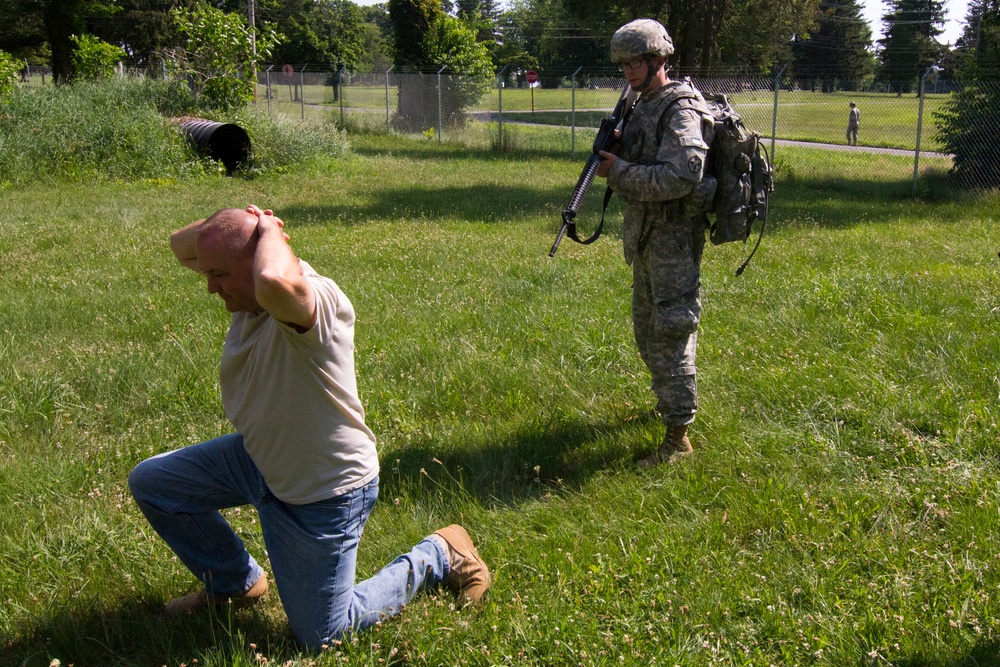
pixel 841 508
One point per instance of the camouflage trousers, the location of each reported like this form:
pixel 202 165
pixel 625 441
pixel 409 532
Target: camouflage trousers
pixel 666 309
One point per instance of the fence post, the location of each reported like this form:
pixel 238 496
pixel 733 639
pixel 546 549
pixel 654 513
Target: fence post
pixel 387 97
pixel 920 125
pixel 500 80
pixel 340 93
pixel 267 77
pixel 302 88
pixel 440 125
pixel 572 122
pixel 774 112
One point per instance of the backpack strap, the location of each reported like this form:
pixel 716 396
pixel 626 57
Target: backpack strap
pixel 761 191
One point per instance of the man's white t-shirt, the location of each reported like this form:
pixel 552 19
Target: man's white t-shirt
pixel 294 398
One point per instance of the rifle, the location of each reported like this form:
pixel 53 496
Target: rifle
pixel 605 141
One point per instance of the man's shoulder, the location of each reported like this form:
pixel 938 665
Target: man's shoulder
pixel 672 97
pixel 316 279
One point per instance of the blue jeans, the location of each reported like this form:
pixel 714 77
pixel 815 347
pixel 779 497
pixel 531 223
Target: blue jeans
pixel 312 548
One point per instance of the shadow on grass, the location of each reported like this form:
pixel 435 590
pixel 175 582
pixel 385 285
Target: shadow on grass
pixel 138 633
pixel 475 203
pixel 984 654
pixel 843 202
pixel 536 459
pixel 431 150
pixel 835 200
pixel 830 204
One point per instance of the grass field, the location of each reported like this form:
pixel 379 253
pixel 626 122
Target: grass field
pixel 841 508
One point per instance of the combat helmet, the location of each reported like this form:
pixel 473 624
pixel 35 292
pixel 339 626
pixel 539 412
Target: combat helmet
pixel 640 38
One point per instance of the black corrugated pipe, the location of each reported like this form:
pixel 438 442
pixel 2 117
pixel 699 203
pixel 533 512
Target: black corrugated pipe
pixel 227 143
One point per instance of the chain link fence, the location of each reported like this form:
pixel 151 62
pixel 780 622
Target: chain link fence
pixel 900 136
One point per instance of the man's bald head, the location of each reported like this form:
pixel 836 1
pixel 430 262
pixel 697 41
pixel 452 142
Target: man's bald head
pixel 229 231
pixel 224 252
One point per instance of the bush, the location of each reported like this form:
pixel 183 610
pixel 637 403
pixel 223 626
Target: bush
pixel 115 129
pixel 8 72
pixel 106 128
pixel 93 58
pixel 278 143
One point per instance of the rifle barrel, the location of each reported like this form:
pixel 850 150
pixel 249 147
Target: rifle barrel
pixel 583 185
pixel 562 231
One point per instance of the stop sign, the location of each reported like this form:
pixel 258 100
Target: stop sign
pixel 531 76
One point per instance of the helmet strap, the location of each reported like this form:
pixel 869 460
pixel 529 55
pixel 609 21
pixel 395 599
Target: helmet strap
pixel 650 72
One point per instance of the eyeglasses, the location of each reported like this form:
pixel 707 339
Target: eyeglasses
pixel 633 64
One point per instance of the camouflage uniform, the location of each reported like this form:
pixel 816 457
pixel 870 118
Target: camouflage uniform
pixel 659 178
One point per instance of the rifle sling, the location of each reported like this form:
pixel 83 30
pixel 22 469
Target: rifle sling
pixel 571 232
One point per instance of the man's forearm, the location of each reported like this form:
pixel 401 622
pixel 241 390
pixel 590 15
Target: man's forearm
pixel 280 287
pixel 182 243
pixel 657 182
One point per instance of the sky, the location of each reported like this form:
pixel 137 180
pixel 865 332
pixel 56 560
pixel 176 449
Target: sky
pixel 955 11
pixel 954 16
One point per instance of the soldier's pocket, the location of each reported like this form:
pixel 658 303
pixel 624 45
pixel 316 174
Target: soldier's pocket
pixel 677 318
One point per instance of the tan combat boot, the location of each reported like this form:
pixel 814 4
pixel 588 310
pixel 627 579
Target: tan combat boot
pixel 675 447
pixel 195 602
pixel 468 573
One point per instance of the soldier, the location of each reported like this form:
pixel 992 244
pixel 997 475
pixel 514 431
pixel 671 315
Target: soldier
pixel 853 123
pixel 658 171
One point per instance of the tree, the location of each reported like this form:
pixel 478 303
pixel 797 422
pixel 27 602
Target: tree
pixel 217 54
pixel 756 38
pixel 141 27
pixel 511 49
pixel 836 54
pixel 28 24
pixel 29 28
pixel 909 46
pixel 425 41
pixel 544 35
pixel 452 45
pixel 317 32
pixel 481 16
pixel 967 124
pixel 22 30
pixel 751 36
pixel 377 37
pixel 411 20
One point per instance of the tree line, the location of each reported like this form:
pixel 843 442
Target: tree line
pixel 826 44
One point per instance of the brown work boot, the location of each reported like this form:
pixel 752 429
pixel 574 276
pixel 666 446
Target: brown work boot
pixel 468 574
pixel 195 602
pixel 675 447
